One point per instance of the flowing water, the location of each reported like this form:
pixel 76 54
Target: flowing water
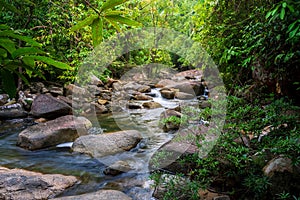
pixel 90 170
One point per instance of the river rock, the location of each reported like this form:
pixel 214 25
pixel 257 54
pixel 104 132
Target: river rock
pixel 3 99
pixel 117 168
pixel 94 80
pixel 56 91
pixel 164 82
pixel 61 130
pixel 72 89
pixel 152 105
pixel 18 184
pixel 280 164
pixel 168 94
pixel 99 195
pixel 144 89
pixel 12 111
pixel 183 95
pixel 142 97
pixel 191 74
pixel 107 144
pixel 208 195
pixel 49 107
pixel 182 87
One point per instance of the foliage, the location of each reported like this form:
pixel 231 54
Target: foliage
pixel 14 58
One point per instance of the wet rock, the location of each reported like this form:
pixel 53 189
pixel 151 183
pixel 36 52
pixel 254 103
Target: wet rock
pixel 3 99
pixel 49 107
pixel 191 74
pixel 117 86
pixel 12 111
pixel 168 125
pixel 164 82
pixel 183 95
pixel 207 195
pixel 107 144
pixel 152 105
pixel 131 86
pixel 99 109
pixel 142 97
pixel 18 184
pixel 72 89
pixel 56 91
pixel 185 87
pixel 168 182
pixel 144 89
pixel 117 168
pixel 65 99
pixel 51 133
pixel 168 94
pixel 134 106
pixel 101 195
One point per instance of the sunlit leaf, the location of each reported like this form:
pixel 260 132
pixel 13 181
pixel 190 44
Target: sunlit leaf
pixel 89 20
pixel 52 62
pixel 282 13
pixel 97 31
pixel 114 24
pixel 7 44
pixel 8 33
pixel 110 4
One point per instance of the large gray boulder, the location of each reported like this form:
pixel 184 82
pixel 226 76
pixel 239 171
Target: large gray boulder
pixel 107 144
pixel 63 129
pixel 12 111
pixel 49 107
pixel 18 184
pixel 99 195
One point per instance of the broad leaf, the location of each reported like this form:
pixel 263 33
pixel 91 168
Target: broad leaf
pixel 8 83
pixel 114 24
pixel 8 33
pixel 26 51
pixel 110 4
pixel 52 62
pixel 97 31
pixel 84 23
pixel 3 27
pixel 115 12
pixel 3 53
pixel 122 20
pixel 7 44
pixel 29 61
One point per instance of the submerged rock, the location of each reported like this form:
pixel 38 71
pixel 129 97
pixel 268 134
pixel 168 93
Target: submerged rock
pixel 117 168
pixel 107 144
pixel 51 133
pixel 19 184
pixel 152 105
pixel 49 107
pixel 101 195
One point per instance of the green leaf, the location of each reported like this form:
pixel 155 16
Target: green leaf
pixel 291 8
pixel 268 14
pixel 122 20
pixel 89 20
pixel 291 26
pixel 3 53
pixel 114 24
pixel 115 12
pixel 52 62
pixel 293 33
pixel 9 7
pixel 282 13
pixel 26 51
pixel 284 4
pixel 110 4
pixel 8 82
pixel 7 44
pixel 22 77
pixel 29 61
pixel 9 33
pixel 97 31
pixel 3 27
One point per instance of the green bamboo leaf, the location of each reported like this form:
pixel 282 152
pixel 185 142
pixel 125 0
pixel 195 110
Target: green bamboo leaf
pixel 89 20
pixel 291 26
pixel 8 82
pixel 9 33
pixel 293 33
pixel 7 44
pixel 122 20
pixel 9 7
pixel 97 31
pixel 26 51
pixel 115 12
pixel 110 4
pixel 3 53
pixel 114 24
pixel 52 62
pixel 268 14
pixel 282 13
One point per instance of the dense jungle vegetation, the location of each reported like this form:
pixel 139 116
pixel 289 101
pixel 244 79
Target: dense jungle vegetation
pixel 255 44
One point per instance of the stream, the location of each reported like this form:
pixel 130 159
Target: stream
pixel 61 160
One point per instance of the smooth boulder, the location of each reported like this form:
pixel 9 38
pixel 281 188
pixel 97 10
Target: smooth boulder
pixel 19 184
pixel 63 129
pixel 99 195
pixel 49 107
pixel 12 111
pixel 107 144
